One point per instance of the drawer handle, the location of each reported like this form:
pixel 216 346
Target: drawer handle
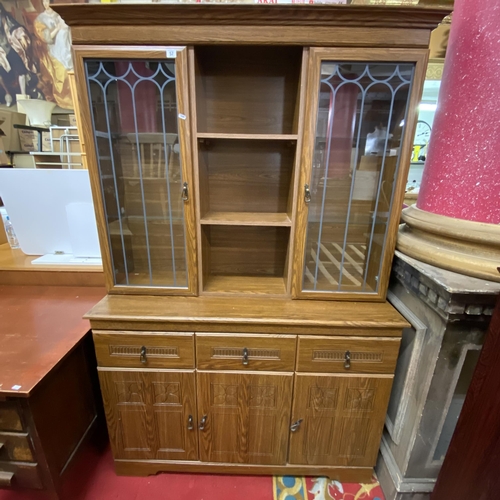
pixel 347 360
pixel 190 423
pixel 144 358
pixel 1 444
pixel 6 479
pixel 295 426
pixel 203 422
pixel 245 357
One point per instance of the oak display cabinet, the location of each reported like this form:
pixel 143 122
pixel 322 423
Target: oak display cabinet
pixel 248 166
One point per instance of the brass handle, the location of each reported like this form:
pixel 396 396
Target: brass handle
pixel 190 423
pixel 185 192
pixel 203 422
pixel 347 360
pixel 144 358
pixel 295 426
pixel 307 193
pixel 245 357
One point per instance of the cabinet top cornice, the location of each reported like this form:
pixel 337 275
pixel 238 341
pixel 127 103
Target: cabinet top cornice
pixel 420 17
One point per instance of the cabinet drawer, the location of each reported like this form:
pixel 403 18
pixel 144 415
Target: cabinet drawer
pixel 245 352
pixel 19 474
pixel 15 446
pixel 144 349
pixel 10 419
pixel 347 354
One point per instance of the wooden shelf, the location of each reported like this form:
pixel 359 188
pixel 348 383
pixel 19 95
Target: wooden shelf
pixel 246 219
pixel 256 285
pixel 256 137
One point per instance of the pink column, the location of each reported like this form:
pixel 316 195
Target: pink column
pixel 462 171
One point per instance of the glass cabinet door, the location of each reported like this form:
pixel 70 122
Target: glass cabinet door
pixel 141 167
pixel 356 137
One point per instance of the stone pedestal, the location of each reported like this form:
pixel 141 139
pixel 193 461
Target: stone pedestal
pixel 449 314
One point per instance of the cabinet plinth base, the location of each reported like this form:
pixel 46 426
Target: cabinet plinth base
pixel 151 467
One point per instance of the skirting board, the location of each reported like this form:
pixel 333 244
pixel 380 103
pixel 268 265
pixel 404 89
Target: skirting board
pixel 149 467
pixel 401 484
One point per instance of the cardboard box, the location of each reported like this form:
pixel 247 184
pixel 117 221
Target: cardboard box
pixel 8 119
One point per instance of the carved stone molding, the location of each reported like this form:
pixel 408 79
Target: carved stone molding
pixel 453 296
pixel 466 247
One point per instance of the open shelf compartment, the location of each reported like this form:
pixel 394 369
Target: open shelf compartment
pixel 247 90
pixel 246 177
pixel 245 259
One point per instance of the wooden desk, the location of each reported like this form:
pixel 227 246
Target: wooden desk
pixel 48 404
pixel 16 268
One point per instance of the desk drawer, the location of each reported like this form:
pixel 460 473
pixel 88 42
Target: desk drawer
pixel 144 349
pixel 10 419
pixel 347 354
pixel 19 474
pixel 245 352
pixel 15 446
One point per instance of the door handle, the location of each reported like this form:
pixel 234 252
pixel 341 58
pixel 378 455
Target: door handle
pixel 185 192
pixel 203 422
pixel 190 423
pixel 143 356
pixel 295 426
pixel 307 193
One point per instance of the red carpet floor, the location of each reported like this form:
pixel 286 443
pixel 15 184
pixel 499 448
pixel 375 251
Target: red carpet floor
pixel 92 477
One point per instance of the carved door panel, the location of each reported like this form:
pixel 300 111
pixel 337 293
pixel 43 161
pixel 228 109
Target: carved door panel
pixel 247 417
pixel 342 419
pixel 150 415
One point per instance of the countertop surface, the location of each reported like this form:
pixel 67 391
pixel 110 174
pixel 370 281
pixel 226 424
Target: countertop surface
pixel 198 311
pixel 39 326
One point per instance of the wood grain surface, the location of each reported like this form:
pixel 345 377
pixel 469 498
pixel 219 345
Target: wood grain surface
pixel 15 446
pixel 247 90
pixel 146 468
pixel 199 311
pixel 265 352
pixel 328 354
pixel 148 413
pixel 424 17
pixel 39 326
pixel 343 418
pixel 247 417
pixel 165 350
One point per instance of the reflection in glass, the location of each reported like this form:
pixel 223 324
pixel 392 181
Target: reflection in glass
pixel 134 114
pixel 361 120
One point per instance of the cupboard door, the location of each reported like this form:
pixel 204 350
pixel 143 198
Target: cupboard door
pixel 150 415
pixel 342 418
pixel 136 127
pixel 357 140
pixel 244 418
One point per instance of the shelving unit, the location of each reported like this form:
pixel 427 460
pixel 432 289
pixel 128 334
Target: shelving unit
pixel 276 196
pixel 247 106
